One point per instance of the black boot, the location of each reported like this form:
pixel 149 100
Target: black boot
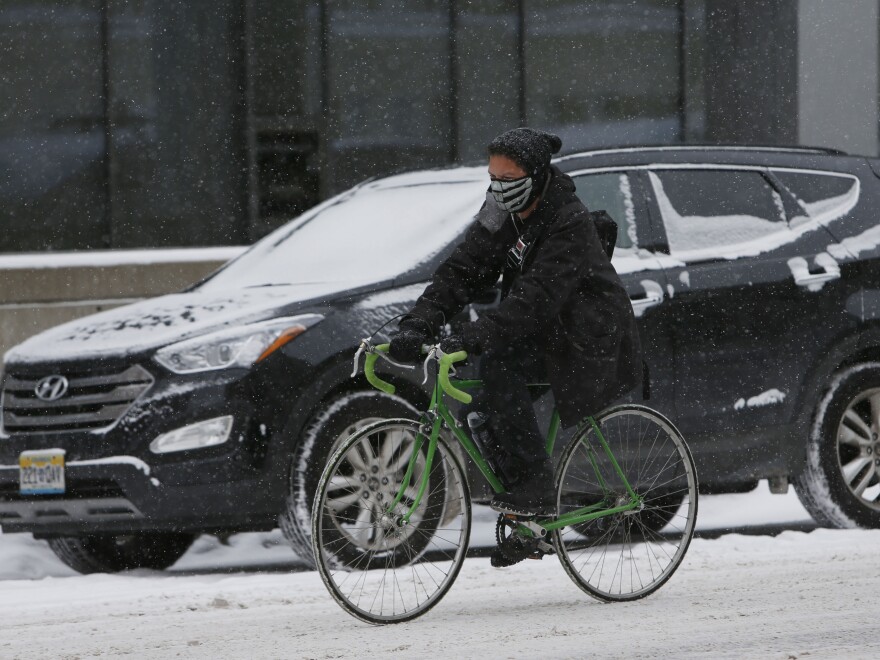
pixel 506 467
pixel 511 551
pixel 532 494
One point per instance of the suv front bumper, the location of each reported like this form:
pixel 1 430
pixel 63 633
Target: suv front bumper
pixel 119 494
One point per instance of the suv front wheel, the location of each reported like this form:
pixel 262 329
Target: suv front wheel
pixel 840 485
pixel 110 553
pixel 340 419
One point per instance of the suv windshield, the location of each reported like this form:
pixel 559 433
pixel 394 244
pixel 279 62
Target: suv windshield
pixel 369 234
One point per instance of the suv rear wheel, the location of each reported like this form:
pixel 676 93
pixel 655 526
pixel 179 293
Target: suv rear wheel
pixel 342 417
pixel 840 485
pixel 110 553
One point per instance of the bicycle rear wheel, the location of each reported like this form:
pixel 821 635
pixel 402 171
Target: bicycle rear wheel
pixel 377 569
pixel 631 554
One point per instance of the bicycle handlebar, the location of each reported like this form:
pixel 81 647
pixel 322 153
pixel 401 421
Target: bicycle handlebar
pixel 370 373
pixel 446 362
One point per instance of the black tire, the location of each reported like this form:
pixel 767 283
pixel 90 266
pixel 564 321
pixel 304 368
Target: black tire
pixel 840 484
pixel 377 568
pixel 342 417
pixel 630 554
pixel 111 553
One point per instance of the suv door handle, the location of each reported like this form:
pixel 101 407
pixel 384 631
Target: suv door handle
pixel 649 300
pixel 653 296
pixel 807 279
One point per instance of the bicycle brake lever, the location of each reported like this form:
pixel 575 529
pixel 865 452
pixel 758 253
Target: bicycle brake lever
pixel 430 355
pixel 360 351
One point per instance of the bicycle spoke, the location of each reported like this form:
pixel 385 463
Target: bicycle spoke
pixel 631 553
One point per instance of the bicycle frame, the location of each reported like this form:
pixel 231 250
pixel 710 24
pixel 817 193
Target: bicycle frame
pixel 438 414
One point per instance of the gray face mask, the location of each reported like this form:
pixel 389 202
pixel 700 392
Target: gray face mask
pixel 512 196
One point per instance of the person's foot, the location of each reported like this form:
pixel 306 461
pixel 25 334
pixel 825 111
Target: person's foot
pixel 533 494
pixel 516 545
pixel 511 551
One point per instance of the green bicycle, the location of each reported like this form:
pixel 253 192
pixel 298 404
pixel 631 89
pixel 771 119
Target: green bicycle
pixel 392 513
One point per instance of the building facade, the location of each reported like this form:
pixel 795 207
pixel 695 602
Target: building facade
pixel 154 123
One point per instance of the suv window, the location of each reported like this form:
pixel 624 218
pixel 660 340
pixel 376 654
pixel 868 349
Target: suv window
pixel 822 196
pixel 716 210
pixel 611 192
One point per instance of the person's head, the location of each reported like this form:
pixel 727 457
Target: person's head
pixel 519 163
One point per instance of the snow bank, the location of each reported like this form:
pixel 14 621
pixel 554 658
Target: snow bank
pixel 24 558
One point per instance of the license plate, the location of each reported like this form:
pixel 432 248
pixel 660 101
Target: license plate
pixel 41 472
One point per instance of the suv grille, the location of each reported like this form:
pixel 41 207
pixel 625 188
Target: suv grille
pixel 92 402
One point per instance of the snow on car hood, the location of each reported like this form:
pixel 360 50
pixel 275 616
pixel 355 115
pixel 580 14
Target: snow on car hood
pixel 156 322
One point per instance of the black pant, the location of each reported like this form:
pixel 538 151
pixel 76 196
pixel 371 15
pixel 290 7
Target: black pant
pixel 505 372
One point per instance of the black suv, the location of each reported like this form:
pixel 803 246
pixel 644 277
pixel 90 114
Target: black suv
pixel 754 274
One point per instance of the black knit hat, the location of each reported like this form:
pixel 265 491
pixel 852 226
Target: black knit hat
pixel 528 148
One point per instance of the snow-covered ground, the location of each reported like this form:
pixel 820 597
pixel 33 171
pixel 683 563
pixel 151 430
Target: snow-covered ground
pixel 788 596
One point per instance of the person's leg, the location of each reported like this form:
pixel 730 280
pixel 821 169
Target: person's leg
pixel 508 402
pixel 525 466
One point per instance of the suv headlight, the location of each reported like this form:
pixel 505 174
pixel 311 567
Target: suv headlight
pixel 242 346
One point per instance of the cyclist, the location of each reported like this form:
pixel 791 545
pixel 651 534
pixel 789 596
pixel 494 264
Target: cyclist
pixel 564 316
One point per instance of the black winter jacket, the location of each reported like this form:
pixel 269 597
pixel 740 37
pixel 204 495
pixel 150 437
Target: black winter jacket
pixel 565 295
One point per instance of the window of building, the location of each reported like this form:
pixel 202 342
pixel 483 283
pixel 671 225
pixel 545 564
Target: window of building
pixel 176 111
pixel 487 74
pixel 285 66
pixel 604 73
pixel 52 145
pixel 389 81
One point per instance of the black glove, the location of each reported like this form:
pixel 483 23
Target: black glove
pixel 406 343
pixel 465 339
pixel 451 344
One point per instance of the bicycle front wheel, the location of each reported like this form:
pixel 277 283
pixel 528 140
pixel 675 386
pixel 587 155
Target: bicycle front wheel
pixel 378 568
pixel 629 554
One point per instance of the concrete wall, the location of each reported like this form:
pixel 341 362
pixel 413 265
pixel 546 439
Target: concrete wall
pixel 837 76
pixel 41 291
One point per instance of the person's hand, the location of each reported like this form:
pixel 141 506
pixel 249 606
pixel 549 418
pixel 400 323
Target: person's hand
pixel 451 344
pixel 406 346
pixel 464 339
pixel 406 343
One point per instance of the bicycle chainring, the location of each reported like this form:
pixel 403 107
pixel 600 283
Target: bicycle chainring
pixel 515 546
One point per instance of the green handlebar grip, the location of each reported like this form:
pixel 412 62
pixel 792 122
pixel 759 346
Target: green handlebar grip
pixel 370 373
pixel 446 362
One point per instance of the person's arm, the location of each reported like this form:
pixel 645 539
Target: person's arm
pixel 473 266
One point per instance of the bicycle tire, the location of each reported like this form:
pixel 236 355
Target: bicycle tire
pixel 401 571
pixel 624 556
